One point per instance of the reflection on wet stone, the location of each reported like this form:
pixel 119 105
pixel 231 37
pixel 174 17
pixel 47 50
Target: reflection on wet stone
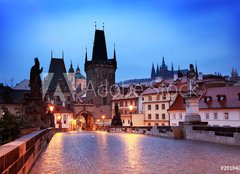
pixel 97 152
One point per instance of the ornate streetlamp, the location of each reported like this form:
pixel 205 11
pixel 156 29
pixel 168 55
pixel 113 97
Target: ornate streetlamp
pixel 103 117
pixel 131 108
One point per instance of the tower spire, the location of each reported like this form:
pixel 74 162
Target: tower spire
pixel 196 69
pixel 163 62
pixel 172 67
pixel 62 54
pixel 114 52
pixel 153 73
pixel 158 72
pixel 51 54
pixel 179 72
pixel 86 59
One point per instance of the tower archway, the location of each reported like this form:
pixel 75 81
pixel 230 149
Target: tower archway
pixel 85 121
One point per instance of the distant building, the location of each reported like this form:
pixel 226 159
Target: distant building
pixel 157 100
pixel 219 106
pixel 129 96
pixel 23 85
pixel 164 73
pixel 63 118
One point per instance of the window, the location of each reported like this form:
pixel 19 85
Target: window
pixel 226 116
pixel 163 116
pixel 157 97
pixel 157 116
pixel 174 116
pixel 123 121
pixel 143 99
pixel 215 116
pixel 121 104
pixel 131 102
pixel 150 98
pixel 163 124
pixel 136 103
pixel 128 121
pixel 164 97
pixel 64 119
pixel 156 107
pixel 180 116
pixel 163 106
pixel 156 124
pixel 149 116
pixel 125 103
pixel 149 124
pixel 207 116
pixel 149 107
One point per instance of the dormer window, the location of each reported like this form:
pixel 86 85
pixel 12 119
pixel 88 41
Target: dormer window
pixel 221 98
pixel 207 99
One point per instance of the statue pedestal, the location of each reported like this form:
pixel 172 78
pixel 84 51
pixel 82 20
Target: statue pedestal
pixel 192 109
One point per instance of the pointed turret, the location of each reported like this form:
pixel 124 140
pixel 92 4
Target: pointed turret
pixel 158 72
pixel 114 53
pixel 179 72
pixel 196 71
pixel 172 68
pixel 153 73
pixel 71 70
pixel 163 62
pixel 86 58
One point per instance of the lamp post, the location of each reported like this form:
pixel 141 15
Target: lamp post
pixel 131 108
pixel 50 111
pixel 103 117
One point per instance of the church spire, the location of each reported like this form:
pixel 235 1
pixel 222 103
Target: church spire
pixel 153 73
pixel 179 72
pixel 158 72
pixel 172 67
pixel 196 69
pixel 71 70
pixel 99 47
pixel 163 62
pixel 114 53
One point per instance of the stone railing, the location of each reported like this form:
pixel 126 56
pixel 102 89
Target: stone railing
pixel 18 156
pixel 214 134
pixel 163 131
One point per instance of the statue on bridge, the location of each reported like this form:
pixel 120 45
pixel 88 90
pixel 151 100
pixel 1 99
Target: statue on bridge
pixel 35 80
pixel 116 121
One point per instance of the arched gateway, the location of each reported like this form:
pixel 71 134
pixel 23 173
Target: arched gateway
pixel 84 121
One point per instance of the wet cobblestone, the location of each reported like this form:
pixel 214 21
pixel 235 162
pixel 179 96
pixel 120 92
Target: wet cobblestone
pixel 106 153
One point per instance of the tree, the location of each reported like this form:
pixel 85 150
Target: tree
pixel 9 127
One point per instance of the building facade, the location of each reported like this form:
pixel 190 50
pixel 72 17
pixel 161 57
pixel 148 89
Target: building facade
pixel 220 106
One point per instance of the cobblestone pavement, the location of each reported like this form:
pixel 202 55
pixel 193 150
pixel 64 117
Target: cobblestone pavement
pixel 99 152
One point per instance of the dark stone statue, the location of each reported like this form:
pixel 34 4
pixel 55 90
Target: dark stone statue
pixel 191 76
pixel 35 80
pixel 35 107
pixel 116 121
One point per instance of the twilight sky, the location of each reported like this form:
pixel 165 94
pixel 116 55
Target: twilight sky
pixel 206 31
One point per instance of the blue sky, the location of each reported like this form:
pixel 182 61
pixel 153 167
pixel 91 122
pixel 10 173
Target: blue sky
pixel 183 31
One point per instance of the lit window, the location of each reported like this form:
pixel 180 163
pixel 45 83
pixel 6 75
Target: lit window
pixel 207 116
pixel 226 116
pixel 215 116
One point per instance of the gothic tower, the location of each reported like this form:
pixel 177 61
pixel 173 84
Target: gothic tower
pixel 100 72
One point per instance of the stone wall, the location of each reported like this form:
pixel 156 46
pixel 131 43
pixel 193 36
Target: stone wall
pixel 223 137
pixel 162 131
pixel 18 156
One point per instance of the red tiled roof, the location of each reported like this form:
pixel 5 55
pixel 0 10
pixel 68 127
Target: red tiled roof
pixel 231 101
